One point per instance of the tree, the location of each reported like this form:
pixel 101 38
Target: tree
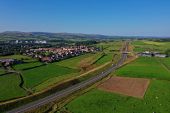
pixel 167 52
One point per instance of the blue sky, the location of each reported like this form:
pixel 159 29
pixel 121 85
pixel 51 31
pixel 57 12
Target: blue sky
pixel 109 17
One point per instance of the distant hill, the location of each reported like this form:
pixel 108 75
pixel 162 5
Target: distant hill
pixel 15 35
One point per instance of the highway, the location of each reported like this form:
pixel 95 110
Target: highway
pixel 65 92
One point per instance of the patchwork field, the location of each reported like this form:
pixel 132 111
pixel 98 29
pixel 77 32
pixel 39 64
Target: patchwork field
pixel 37 76
pixel 98 101
pixel 110 97
pixel 135 87
pixel 76 64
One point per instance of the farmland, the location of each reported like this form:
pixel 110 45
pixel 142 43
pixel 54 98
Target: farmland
pixel 145 67
pixel 9 87
pixel 2 71
pixel 145 45
pixel 38 76
pixel 98 101
pixel 165 62
pixel 155 100
pixel 75 62
pixel 20 57
pixel 27 65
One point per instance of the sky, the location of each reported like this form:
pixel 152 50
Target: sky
pixel 108 17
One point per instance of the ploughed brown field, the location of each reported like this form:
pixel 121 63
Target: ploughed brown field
pixel 135 87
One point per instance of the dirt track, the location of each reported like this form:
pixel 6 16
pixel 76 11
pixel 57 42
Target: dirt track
pixel 135 87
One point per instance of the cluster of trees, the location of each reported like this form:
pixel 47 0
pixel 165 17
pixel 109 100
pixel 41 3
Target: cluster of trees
pixel 10 49
pixel 88 42
pixel 167 52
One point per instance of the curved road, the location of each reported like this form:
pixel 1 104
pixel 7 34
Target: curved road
pixel 65 92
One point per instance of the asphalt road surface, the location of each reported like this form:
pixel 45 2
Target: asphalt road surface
pixel 65 92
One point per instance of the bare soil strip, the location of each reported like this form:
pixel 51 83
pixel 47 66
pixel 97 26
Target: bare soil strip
pixel 135 87
pixel 92 70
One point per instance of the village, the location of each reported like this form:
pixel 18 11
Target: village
pixel 49 55
pixel 56 54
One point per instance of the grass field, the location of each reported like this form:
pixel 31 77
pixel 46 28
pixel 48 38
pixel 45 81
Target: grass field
pixel 9 87
pixel 98 101
pixel 2 71
pixel 144 45
pixel 108 48
pixel 20 57
pixel 145 67
pixel 38 75
pixel 74 62
pixel 27 65
pixel 106 58
pixel 156 99
pixel 115 45
pixel 166 62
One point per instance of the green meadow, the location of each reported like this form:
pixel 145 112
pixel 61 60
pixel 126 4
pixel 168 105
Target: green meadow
pixel 104 59
pixel 27 65
pixel 165 62
pixel 9 87
pixel 75 61
pixel 144 45
pixel 19 57
pixel 145 67
pixel 2 71
pixel 35 76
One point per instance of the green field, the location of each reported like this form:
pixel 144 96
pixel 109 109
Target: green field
pixel 115 45
pixel 33 77
pixel 156 100
pixel 106 58
pixel 145 67
pixel 9 87
pixel 20 57
pixel 144 45
pixel 38 76
pixel 109 48
pixel 27 65
pixel 165 62
pixel 75 61
pixel 2 71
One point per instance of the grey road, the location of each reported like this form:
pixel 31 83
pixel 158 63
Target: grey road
pixel 65 92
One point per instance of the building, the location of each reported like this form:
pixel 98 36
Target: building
pixel 7 62
pixel 152 54
pixel 160 55
pixel 46 59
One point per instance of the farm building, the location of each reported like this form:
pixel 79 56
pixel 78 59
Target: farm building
pixel 7 62
pixel 152 54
